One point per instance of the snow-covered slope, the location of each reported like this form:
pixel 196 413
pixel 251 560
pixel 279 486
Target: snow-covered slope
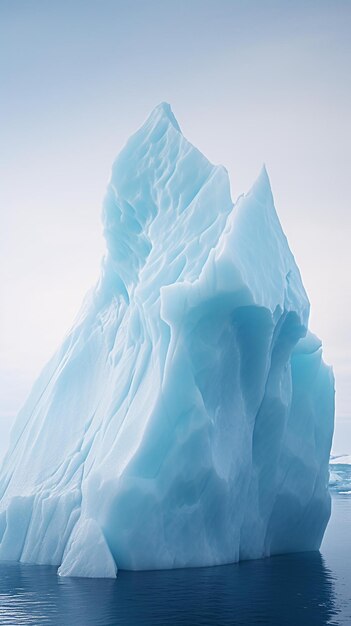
pixel 187 418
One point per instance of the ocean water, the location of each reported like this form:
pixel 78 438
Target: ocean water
pixel 293 590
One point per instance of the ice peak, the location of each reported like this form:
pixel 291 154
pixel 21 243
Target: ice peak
pixel 162 111
pixel 261 188
pixel 159 182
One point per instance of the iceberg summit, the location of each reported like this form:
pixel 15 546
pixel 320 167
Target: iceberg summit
pixel 187 418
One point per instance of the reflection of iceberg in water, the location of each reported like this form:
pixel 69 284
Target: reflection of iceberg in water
pixel 287 590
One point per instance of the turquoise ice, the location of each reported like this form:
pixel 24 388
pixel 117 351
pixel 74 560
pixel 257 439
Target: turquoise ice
pixel 187 418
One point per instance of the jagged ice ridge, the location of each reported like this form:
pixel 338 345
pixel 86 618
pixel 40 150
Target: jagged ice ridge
pixel 187 418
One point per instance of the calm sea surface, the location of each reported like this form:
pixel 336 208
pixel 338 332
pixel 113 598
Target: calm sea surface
pixel 294 590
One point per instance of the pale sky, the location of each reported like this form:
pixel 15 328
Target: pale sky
pixel 249 82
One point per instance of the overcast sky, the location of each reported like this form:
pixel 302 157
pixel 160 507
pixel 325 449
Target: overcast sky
pixel 249 82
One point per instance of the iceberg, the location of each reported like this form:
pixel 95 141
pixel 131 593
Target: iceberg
pixel 340 474
pixel 187 418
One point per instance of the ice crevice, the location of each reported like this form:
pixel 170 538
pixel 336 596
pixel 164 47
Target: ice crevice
pixel 187 418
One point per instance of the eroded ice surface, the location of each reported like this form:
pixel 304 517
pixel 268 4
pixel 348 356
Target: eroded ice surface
pixel 187 417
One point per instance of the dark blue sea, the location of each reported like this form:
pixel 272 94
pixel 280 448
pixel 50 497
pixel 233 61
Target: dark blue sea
pixel 291 590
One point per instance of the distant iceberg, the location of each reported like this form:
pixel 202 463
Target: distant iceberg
pixel 342 459
pixel 340 474
pixel 187 418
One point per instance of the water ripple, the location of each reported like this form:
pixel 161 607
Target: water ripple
pixel 281 591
